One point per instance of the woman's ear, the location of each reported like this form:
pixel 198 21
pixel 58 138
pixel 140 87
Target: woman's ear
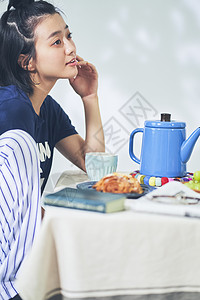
pixel 22 61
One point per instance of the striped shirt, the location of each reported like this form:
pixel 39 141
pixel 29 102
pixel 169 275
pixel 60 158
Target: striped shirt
pixel 20 212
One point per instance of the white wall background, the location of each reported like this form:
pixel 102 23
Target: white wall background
pixel 147 53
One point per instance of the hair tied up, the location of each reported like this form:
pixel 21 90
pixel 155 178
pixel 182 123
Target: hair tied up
pixel 17 4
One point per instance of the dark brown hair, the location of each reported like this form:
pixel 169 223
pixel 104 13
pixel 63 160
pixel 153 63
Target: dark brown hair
pixel 17 27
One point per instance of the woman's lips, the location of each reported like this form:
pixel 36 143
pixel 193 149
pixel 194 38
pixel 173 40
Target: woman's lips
pixel 72 62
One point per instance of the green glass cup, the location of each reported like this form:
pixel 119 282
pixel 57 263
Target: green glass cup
pixel 100 164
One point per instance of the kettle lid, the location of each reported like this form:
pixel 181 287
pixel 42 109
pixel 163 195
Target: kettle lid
pixel 165 122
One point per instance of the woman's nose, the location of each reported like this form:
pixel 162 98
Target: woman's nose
pixel 69 47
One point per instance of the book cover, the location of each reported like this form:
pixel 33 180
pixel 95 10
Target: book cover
pixel 86 200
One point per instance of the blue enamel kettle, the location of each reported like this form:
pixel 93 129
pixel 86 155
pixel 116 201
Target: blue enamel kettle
pixel 165 150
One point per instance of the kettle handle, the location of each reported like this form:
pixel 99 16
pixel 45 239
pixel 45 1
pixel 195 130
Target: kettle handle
pixel 132 155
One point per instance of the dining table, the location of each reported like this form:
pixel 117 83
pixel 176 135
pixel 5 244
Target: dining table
pixel 125 255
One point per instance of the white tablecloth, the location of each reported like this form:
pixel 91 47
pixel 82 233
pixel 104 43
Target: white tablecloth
pixel 84 254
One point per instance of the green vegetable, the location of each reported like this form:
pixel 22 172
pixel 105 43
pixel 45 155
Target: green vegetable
pixel 196 176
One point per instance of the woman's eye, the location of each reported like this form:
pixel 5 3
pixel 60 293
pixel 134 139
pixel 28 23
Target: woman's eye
pixel 58 42
pixel 69 35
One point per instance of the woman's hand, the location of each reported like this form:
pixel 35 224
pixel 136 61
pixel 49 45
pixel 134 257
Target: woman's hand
pixel 86 82
pixel 74 147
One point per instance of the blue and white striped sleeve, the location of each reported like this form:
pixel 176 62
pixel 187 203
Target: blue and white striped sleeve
pixel 20 208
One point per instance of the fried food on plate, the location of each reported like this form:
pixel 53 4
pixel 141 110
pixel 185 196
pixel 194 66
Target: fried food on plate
pixel 118 183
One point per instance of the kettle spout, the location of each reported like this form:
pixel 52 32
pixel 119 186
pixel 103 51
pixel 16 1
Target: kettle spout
pixel 188 145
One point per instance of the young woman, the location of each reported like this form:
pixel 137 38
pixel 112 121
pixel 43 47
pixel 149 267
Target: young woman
pixel 36 50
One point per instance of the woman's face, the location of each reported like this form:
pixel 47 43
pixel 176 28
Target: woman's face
pixel 55 50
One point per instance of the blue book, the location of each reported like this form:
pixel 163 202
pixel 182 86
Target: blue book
pixel 86 200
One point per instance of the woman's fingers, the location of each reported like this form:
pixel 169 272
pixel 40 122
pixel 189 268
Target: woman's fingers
pixel 81 61
pixel 87 66
pixel 78 58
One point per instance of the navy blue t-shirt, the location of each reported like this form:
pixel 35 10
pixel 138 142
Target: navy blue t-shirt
pixel 52 125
